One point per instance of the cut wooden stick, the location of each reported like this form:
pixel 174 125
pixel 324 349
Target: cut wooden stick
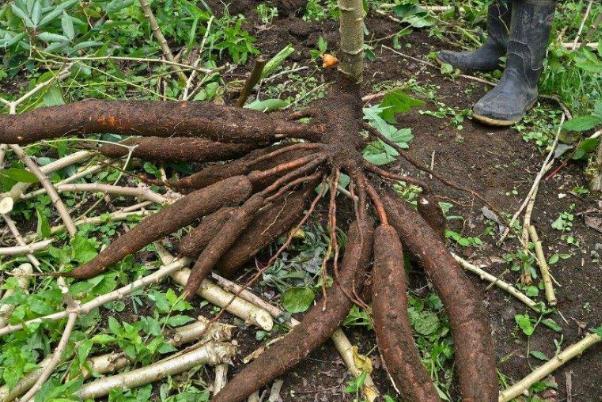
pixel 505 286
pixel 106 298
pixel 543 267
pixel 148 13
pixel 138 192
pixel 212 353
pixel 275 391
pixel 20 241
pixel 54 197
pixel 251 81
pixel 549 367
pixel 26 249
pixel 221 377
pixel 22 274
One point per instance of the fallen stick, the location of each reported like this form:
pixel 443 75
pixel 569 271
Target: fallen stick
pixel 547 368
pixel 106 298
pixel 340 340
pixel 595 183
pixel 20 241
pixel 112 217
pixel 543 267
pixel 212 353
pixel 221 377
pixel 138 192
pixel 234 305
pixel 54 197
pixel 111 362
pixel 26 249
pixel 21 273
pixel 505 286
pixel 275 391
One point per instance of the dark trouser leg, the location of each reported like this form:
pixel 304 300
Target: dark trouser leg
pixel 516 92
pixel 487 57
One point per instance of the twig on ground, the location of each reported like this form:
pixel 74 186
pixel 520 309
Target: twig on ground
pixel 106 298
pixel 595 183
pixel 505 286
pixel 582 25
pixel 22 274
pixel 138 192
pixel 54 197
pixel 251 81
pixel 212 353
pixel 547 164
pixel 26 249
pixel 547 368
pixel 148 13
pixel 221 378
pixel 20 241
pixel 543 267
pixel 275 391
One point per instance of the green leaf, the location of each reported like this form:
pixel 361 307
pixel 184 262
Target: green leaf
pixel 19 175
pixel 396 102
pixel 23 15
pixel 53 97
pixel 83 249
pixel 524 323
pixel 267 105
pixel 582 123
pixel 67 25
pixel 57 11
pixel 297 300
pixel 539 355
pixel 553 325
pixel 425 323
pixel 83 350
pixel 43 226
pixel 178 320
pixel 51 37
pixel 585 147
pixel 598 331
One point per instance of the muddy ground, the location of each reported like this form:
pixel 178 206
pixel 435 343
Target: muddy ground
pixel 501 166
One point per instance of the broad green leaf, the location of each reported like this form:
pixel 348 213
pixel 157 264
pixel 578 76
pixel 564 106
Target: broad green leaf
pixel 524 323
pixel 585 147
pixel 67 25
pixel 425 323
pixel 539 355
pixel 396 102
pixel 553 325
pixel 53 97
pixel 598 331
pixel 582 123
pixel 51 37
pixel 57 11
pixel 43 226
pixel 19 175
pixel 23 15
pixel 297 300
pixel 178 320
pixel 83 249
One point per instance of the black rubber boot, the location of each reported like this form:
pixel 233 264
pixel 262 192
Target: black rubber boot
pixel 516 92
pixel 487 57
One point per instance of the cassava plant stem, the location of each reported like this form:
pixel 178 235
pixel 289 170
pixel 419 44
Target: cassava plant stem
pixel 352 38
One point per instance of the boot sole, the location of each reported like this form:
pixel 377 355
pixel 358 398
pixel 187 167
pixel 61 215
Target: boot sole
pixel 499 122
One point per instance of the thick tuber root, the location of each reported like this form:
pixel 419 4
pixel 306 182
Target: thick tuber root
pixel 391 321
pixel 177 149
pixel 474 355
pixel 315 329
pixel 181 213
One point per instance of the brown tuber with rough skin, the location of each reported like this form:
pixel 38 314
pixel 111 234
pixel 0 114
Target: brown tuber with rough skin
pixel 316 327
pixel 177 149
pixel 152 119
pixel 391 321
pixel 223 240
pixel 181 213
pixel 475 360
pixel 197 239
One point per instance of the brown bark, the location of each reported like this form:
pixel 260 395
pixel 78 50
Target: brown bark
pixel 270 223
pixel 181 213
pixel 474 350
pixel 147 118
pixel 221 242
pixel 176 149
pixel 391 321
pixel 317 325
pixel 197 239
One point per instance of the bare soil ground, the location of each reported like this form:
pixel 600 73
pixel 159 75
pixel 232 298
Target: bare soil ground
pixel 493 162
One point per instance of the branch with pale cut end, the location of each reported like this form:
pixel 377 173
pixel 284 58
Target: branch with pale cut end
pixel 212 353
pixel 549 367
pixel 543 267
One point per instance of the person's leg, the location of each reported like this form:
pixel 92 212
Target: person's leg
pixel 516 92
pixel 487 57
